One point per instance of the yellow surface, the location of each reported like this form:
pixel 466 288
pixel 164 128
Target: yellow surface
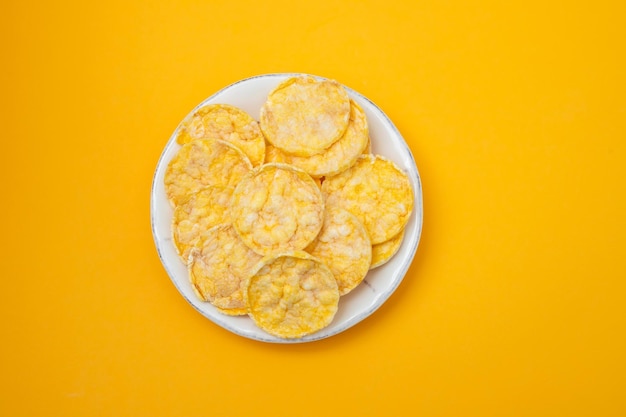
pixel 515 303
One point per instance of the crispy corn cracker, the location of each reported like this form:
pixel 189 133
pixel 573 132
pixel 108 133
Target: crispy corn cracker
pixel 277 208
pixel 344 246
pixel 291 295
pixel 228 123
pixel 193 217
pixel 341 154
pixel 304 116
pixel 376 191
pixel 219 268
pixel 383 252
pixel 201 163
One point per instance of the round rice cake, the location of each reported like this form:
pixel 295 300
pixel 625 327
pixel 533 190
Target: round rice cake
pixel 376 191
pixel 341 154
pixel 303 116
pixel 218 270
pixel 277 208
pixel 344 246
pixel 202 163
pixel 291 295
pixel 383 252
pixel 228 123
pixel 193 217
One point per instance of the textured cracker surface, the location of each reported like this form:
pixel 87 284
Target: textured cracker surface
pixel 273 154
pixel 277 208
pixel 376 191
pixel 304 116
pixel 202 163
pixel 193 217
pixel 383 252
pixel 292 295
pixel 341 154
pixel 218 270
pixel 344 246
pixel 228 123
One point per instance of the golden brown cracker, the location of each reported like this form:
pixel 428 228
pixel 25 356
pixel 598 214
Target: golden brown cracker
pixel 292 295
pixel 341 154
pixel 194 216
pixel 228 123
pixel 277 208
pixel 202 163
pixel 344 246
pixel 303 116
pixel 376 191
pixel 218 269
pixel 384 251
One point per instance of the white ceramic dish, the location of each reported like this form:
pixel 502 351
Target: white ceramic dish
pixel 249 94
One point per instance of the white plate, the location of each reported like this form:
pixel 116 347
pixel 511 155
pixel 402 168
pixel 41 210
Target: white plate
pixel 249 94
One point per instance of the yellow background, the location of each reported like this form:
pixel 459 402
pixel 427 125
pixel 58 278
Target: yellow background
pixel 515 302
